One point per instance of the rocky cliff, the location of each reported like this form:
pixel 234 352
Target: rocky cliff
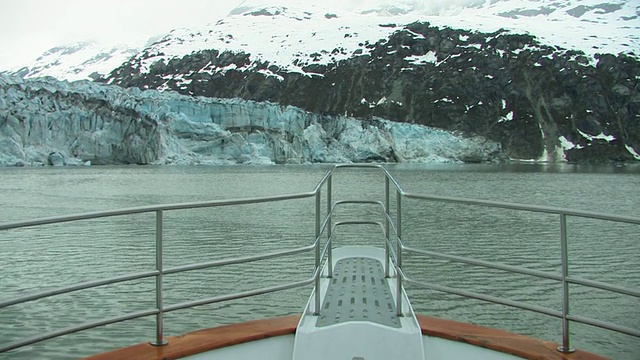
pixel 45 121
pixel 539 102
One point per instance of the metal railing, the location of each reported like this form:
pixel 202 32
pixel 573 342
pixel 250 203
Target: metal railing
pixel 564 278
pixel 394 248
pixel 160 309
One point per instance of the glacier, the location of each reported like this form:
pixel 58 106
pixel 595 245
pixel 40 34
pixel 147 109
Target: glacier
pixel 44 121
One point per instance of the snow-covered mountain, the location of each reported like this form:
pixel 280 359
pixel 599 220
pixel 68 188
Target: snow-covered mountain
pixel 78 61
pixel 291 37
pixel 548 80
pixel 288 33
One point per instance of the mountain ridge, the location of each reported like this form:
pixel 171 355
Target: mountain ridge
pixel 599 27
pixel 78 61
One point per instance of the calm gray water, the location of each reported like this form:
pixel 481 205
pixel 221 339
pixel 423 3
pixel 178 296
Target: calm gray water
pixel 36 259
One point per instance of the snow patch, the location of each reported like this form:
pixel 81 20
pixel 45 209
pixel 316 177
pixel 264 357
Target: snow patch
pixel 444 100
pixel 430 57
pixel 268 73
pixel 601 136
pixel 545 153
pixel 508 117
pixel 633 152
pixel 566 144
pixel 415 35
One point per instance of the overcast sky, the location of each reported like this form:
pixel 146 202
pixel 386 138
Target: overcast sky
pixel 30 27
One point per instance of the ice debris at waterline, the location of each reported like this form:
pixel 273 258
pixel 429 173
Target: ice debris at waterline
pixel 47 122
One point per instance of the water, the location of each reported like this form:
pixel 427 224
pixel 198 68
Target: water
pixel 37 259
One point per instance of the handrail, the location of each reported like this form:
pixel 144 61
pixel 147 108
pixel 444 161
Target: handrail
pixel 159 272
pixel 488 298
pixel 240 295
pixel 530 208
pixel 604 325
pixel 564 278
pixel 77 287
pixel 151 208
pixel 77 328
pixel 394 248
pixel 487 264
pixel 236 261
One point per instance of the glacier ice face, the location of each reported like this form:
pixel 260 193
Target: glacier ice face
pixel 43 120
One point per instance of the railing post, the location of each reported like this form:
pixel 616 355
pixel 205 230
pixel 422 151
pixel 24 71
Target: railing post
pixel 317 269
pixel 386 225
pixel 566 341
pixel 160 341
pixel 329 230
pixel 399 253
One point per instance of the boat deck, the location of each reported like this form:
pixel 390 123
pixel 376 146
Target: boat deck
pixel 358 315
pixel 358 291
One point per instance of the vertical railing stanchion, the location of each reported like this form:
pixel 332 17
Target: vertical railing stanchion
pixel 566 340
pixel 387 213
pixel 317 269
pixel 329 232
pixel 160 341
pixel 399 253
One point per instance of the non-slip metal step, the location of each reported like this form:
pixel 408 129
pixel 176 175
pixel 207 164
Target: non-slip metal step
pixel 358 291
